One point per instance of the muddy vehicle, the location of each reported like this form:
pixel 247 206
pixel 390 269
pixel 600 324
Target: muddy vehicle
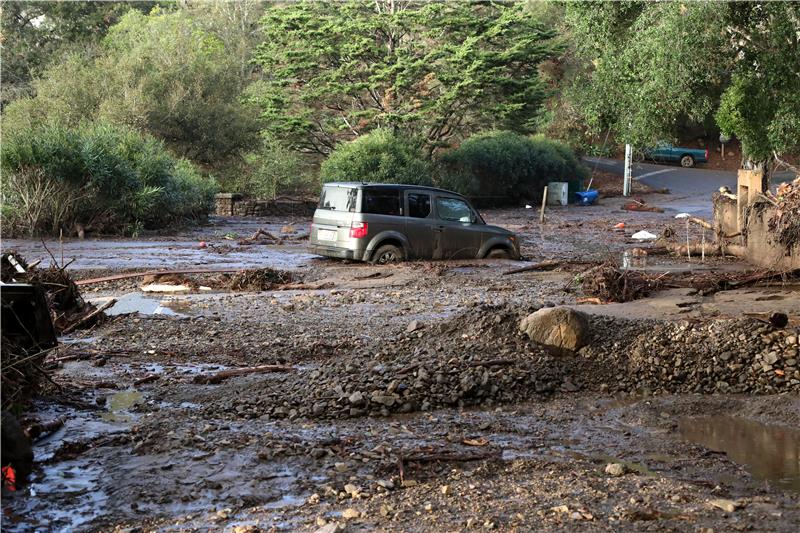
pixel 383 223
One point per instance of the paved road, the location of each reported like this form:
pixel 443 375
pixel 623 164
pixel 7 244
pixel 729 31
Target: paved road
pixel 690 188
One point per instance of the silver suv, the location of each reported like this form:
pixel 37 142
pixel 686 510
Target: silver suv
pixel 384 223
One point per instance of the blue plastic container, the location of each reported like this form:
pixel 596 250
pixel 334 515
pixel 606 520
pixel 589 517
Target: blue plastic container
pixel 587 197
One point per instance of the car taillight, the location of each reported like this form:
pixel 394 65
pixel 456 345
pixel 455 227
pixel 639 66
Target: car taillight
pixel 706 154
pixel 358 230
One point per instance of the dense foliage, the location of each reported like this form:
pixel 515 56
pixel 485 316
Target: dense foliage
pixel 102 177
pixel 651 67
pixel 503 167
pixel 432 70
pixel 382 157
pixel 165 73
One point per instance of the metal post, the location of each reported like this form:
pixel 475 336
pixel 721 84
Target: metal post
pixel 626 183
pixel 544 203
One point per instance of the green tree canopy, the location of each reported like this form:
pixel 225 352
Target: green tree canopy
pixel 167 73
pixel 435 71
pixel 650 66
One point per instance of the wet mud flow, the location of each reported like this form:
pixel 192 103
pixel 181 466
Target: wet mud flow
pixel 770 453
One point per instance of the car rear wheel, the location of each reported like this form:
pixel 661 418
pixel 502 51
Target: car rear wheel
pixel 687 161
pixel 386 254
pixel 499 253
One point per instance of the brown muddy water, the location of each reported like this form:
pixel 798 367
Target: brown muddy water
pixel 770 453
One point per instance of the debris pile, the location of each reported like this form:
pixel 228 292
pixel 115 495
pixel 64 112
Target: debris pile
pixel 723 356
pixel 477 358
pixel 785 221
pixel 612 284
pixel 609 283
pixel 263 279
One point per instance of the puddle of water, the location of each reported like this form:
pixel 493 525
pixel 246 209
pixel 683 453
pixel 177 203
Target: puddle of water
pixel 119 403
pixel 138 303
pixel 74 483
pixel 770 453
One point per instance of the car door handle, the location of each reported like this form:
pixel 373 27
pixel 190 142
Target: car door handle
pixel 438 228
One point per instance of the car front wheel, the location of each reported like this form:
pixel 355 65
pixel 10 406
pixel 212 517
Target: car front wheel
pixel 499 253
pixel 386 254
pixel 687 161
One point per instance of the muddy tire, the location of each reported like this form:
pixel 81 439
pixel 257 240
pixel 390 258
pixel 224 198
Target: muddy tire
pixel 387 254
pixel 499 253
pixel 687 161
pixel 16 447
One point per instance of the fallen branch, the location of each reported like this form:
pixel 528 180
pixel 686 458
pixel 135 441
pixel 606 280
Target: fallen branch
pixel 88 317
pixel 129 275
pixel 494 362
pixel 546 265
pixel 219 377
pixel 34 431
pixel 449 456
pixel 146 379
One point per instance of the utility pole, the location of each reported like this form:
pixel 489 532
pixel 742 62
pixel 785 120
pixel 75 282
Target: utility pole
pixel 626 182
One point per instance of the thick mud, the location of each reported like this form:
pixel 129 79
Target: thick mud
pixel 412 403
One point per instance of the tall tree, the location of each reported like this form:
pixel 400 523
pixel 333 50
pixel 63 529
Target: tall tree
pixel 171 74
pixel 651 66
pixel 435 71
pixel 34 34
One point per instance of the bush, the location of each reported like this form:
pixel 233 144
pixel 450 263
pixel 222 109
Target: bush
pixel 379 157
pixel 103 177
pixel 272 171
pixel 501 167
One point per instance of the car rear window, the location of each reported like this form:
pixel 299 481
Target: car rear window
pixel 338 198
pixel 381 202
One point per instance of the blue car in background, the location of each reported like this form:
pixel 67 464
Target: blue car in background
pixel 667 153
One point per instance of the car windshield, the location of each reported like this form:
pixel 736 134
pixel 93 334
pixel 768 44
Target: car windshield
pixel 338 198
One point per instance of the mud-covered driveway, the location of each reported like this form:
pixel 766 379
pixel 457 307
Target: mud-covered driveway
pixel 407 399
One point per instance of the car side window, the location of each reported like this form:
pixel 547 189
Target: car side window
pixel 419 205
pixel 381 202
pixel 453 209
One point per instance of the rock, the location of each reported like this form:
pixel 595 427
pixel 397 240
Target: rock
pixel 350 513
pixel 413 326
pixel 352 490
pixel 616 469
pixel 332 527
pixel 728 506
pixel 356 398
pixel 561 329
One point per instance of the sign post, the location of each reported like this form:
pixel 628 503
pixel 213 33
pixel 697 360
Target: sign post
pixel 626 181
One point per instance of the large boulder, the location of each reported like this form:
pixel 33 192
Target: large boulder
pixel 561 329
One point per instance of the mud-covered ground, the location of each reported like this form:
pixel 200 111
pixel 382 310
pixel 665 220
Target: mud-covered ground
pixel 409 401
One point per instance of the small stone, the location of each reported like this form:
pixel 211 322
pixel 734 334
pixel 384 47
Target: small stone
pixel 616 469
pixel 356 398
pixel 341 467
pixel 428 506
pixel 350 513
pixel 409 483
pixel 445 489
pixel 386 483
pixel 333 527
pixel 413 326
pixel 352 490
pixel 728 506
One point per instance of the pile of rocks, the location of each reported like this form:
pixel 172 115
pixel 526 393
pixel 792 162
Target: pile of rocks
pixel 476 358
pixel 484 357
pixel 727 356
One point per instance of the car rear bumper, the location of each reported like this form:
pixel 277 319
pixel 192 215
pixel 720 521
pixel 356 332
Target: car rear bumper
pixel 335 251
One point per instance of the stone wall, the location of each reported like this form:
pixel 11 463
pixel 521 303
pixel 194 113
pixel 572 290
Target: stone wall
pixel 233 204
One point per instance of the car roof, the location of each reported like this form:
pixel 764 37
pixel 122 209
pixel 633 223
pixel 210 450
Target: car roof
pixel 400 186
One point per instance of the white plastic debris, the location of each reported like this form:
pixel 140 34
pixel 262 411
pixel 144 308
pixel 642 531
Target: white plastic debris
pixel 682 215
pixel 159 287
pixel 528 206
pixel 643 236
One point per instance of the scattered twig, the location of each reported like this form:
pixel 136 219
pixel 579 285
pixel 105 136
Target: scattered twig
pixel 219 377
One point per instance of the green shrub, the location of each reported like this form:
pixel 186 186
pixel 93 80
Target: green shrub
pixel 379 157
pixel 272 171
pixel 104 177
pixel 502 167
